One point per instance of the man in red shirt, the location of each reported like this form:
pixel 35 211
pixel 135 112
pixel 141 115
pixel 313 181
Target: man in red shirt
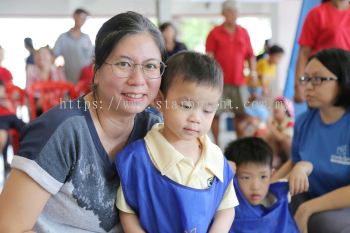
pixel 229 44
pixel 325 26
pixel 5 74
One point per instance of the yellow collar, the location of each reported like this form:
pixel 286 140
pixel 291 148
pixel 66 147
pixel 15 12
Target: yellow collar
pixel 165 156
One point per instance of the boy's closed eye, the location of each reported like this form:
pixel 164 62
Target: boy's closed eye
pixel 186 104
pixel 244 177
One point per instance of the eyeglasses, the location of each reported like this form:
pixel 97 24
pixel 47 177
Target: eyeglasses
pixel 315 81
pixel 153 69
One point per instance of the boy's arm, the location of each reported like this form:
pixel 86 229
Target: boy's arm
pixel 223 220
pixel 127 216
pixel 130 223
pixel 225 213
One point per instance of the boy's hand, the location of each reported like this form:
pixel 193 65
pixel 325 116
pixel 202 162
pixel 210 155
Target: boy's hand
pixel 298 178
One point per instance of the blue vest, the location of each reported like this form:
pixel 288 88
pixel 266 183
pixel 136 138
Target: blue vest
pixel 161 204
pixel 258 219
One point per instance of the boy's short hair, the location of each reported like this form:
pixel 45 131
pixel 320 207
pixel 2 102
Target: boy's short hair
pixel 274 49
pixel 249 150
pixel 192 67
pixel 2 83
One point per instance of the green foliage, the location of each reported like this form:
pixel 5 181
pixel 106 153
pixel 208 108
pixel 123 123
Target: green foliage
pixel 194 32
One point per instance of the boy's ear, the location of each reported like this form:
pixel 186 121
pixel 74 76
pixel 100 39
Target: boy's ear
pixel 233 166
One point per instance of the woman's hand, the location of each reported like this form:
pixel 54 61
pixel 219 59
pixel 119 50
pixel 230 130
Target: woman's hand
pixel 302 216
pixel 298 178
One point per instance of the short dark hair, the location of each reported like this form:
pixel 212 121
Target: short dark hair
pixel 337 61
pixel 2 83
pixel 28 42
pixel 81 11
pixel 274 49
pixel 249 150
pixel 192 67
pixel 165 25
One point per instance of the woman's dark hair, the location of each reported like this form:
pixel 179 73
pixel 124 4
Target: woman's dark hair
pixel 118 27
pixel 115 29
pixel 28 42
pixel 337 61
pixel 165 25
pixel 192 67
pixel 249 150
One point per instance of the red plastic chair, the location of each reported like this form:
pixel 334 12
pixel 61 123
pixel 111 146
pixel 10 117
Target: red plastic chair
pixel 49 93
pixel 17 97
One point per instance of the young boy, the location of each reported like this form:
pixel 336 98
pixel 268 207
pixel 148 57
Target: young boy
pixel 262 207
pixel 176 179
pixel 266 69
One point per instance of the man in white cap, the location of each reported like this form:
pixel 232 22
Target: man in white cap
pixel 230 45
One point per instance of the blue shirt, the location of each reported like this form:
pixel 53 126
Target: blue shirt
pixel 326 146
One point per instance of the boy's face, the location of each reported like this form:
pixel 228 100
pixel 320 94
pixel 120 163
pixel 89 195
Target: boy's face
pixel 188 110
pixel 276 58
pixel 254 180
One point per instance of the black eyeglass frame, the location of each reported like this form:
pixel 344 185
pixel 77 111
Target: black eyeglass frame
pixel 316 80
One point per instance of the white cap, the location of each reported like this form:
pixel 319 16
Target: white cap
pixel 229 4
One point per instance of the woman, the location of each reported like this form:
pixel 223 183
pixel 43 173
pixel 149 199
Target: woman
pixel 64 179
pixel 169 34
pixel 321 146
pixel 44 68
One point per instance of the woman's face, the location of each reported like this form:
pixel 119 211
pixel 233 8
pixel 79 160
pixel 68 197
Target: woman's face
pixel 129 95
pixel 323 95
pixel 169 34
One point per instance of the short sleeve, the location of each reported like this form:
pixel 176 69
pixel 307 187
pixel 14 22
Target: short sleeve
pixel 210 43
pixel 261 67
pixel 295 144
pixel 249 51
pixel 57 49
pixel 310 29
pixel 230 199
pixel 48 149
pixel 122 205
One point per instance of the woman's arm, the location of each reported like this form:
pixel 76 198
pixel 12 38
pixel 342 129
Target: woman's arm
pixel 336 199
pixel 130 223
pixel 21 202
pixel 223 220
pixel 283 171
